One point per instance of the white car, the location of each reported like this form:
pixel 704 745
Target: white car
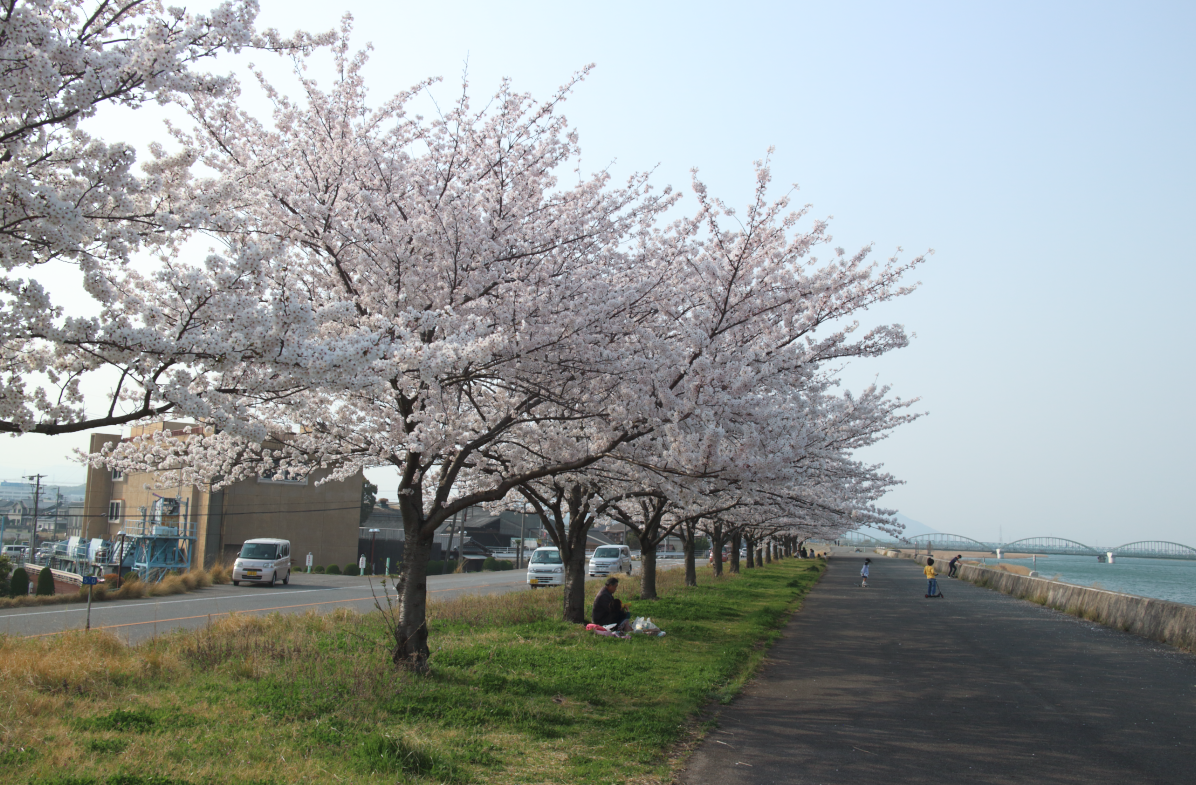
pixel 609 559
pixel 263 560
pixel 545 568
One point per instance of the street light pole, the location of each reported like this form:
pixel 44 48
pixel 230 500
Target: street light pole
pixel 519 551
pixel 37 494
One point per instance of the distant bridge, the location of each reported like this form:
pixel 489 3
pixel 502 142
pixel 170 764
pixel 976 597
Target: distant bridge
pixel 1143 549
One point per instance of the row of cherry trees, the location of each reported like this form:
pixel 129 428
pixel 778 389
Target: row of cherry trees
pixel 446 296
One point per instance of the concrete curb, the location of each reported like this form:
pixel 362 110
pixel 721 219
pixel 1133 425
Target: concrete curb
pixel 1167 622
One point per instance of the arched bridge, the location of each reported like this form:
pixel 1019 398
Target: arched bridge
pixel 949 542
pixel 1156 549
pixel 1057 545
pixel 1143 549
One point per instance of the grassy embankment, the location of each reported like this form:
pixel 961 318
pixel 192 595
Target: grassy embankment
pixel 514 696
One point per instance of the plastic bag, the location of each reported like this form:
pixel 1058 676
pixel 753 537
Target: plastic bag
pixel 645 626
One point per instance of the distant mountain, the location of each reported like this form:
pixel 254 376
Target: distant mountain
pixel 912 528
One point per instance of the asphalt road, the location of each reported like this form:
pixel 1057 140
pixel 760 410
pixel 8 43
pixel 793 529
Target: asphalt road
pixel 135 620
pixel 881 685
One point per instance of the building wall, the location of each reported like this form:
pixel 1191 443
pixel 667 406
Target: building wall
pixel 319 519
pixel 99 491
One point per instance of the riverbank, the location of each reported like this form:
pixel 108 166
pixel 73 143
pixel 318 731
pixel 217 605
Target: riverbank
pixel 514 695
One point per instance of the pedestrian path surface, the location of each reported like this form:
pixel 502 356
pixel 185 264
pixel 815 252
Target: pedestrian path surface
pixel 883 686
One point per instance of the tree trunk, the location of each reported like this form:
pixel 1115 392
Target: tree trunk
pixel 751 551
pixel 411 631
pixel 759 557
pixel 716 545
pixel 575 586
pixel 689 536
pixel 648 579
pixel 736 541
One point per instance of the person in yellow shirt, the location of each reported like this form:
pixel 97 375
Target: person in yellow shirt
pixel 932 589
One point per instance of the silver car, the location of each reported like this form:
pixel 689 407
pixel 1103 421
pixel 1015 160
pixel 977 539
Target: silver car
pixel 263 560
pixel 608 559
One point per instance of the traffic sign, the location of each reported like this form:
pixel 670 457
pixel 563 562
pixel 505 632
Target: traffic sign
pixel 90 580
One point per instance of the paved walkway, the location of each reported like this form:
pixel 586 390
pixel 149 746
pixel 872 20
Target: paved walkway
pixel 881 686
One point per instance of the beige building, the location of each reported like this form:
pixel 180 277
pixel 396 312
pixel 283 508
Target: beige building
pixel 321 519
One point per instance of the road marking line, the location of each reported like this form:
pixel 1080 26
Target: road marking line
pixel 254 610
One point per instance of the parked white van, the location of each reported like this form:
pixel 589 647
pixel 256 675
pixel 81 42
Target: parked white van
pixel 263 560
pixel 609 559
pixel 545 568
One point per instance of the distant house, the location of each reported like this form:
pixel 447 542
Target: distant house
pixel 321 519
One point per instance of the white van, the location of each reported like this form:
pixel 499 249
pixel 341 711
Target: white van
pixel 263 560
pixel 545 568
pixel 16 553
pixel 609 559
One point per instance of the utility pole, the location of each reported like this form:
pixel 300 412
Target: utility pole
pixel 37 494
pixel 522 525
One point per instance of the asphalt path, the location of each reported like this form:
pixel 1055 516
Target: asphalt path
pixel 135 620
pixel 881 685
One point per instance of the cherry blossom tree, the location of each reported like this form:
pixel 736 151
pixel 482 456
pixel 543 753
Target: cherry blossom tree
pixel 441 301
pixel 69 197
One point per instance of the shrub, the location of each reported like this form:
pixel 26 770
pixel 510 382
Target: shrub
pixel 351 569
pixel 503 564
pixel 18 585
pixel 490 564
pixel 441 567
pixel 45 582
pixel 319 569
pixel 333 570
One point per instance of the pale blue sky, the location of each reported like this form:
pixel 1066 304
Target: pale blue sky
pixel 1044 150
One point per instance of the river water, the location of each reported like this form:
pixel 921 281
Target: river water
pixel 1164 579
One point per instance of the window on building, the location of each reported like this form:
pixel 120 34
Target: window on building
pixel 117 475
pixel 114 510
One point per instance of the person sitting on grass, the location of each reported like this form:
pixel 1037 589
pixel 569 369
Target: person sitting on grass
pixel 608 610
pixel 932 589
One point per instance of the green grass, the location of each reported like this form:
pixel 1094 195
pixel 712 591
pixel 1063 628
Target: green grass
pixel 513 696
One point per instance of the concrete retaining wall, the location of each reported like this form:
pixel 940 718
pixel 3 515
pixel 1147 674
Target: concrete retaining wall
pixel 1159 620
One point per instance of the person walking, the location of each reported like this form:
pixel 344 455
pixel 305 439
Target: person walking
pixel 864 573
pixel 932 588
